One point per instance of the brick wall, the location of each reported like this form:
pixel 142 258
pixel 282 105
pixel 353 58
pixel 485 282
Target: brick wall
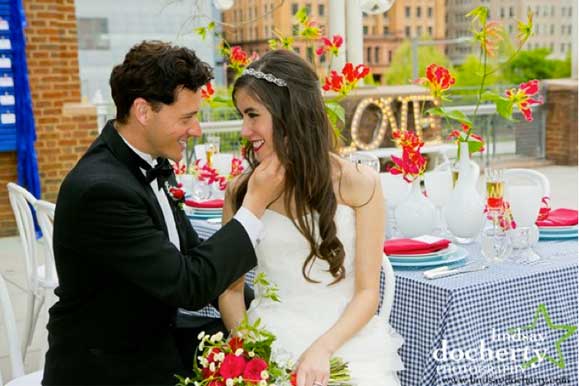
pixel 62 137
pixel 561 123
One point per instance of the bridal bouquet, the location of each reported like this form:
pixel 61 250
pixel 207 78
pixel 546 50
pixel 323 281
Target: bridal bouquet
pixel 246 359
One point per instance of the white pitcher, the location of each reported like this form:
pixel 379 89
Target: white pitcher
pixel 464 212
pixel 416 215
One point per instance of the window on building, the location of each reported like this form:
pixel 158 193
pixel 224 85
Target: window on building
pixel 295 8
pixel 562 30
pixel 295 29
pixel 376 54
pixel 552 29
pixel 365 30
pixel 418 12
pixel 369 54
pixel 502 13
pixel 511 11
pixel 419 31
pixel 321 9
pixel 389 56
pixel 552 10
pixel 407 11
pixel 386 30
pixel 545 10
pixel 407 31
pixel 93 33
pixel 323 58
pixel 308 8
pixel 552 46
pixel 297 50
pixel 310 54
pixel 429 11
pixel 562 48
pixel 430 31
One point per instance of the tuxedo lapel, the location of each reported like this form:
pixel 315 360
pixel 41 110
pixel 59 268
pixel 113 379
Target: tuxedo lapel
pixel 129 158
pixel 178 215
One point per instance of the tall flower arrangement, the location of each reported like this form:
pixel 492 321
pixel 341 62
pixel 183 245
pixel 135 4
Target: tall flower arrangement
pixel 341 82
pixel 488 34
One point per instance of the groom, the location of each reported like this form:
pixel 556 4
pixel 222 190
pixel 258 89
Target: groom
pixel 126 255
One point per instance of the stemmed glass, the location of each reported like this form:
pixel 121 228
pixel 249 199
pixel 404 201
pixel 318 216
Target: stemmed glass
pixel 495 243
pixel 525 201
pixel 438 185
pixel 395 191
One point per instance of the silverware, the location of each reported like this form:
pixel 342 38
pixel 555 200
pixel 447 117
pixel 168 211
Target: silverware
pixel 445 272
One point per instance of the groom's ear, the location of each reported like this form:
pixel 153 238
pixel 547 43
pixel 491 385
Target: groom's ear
pixel 141 110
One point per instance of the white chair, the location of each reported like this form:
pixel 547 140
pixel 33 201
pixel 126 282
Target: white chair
pixel 389 286
pixel 37 280
pixel 14 352
pixel 530 175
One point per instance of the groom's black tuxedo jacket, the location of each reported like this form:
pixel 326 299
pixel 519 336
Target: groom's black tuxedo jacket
pixel 120 278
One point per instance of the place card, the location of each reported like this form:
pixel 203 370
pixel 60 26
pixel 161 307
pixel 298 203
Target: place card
pixel 6 81
pixel 4 26
pixel 7 100
pixel 5 44
pixel 5 62
pixel 8 118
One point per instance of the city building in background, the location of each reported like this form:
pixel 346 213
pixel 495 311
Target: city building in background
pixel 251 23
pixel 553 21
pixel 107 31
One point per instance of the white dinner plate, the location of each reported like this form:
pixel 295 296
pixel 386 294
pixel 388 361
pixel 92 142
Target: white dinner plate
pixel 457 256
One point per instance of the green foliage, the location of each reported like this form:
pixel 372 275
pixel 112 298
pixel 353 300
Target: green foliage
pixel 469 74
pixel 535 64
pixel 400 70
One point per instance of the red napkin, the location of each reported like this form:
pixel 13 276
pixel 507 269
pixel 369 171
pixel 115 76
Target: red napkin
pixel 559 217
pixel 413 247
pixel 211 204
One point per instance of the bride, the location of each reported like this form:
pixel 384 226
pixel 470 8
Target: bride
pixel 322 244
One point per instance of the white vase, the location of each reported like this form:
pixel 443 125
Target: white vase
pixel 464 212
pixel 416 215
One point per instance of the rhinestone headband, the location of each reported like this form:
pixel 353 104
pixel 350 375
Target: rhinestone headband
pixel 262 75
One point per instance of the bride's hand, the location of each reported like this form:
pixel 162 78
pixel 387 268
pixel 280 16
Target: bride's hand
pixel 313 367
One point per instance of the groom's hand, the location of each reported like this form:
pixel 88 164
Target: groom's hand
pixel 265 185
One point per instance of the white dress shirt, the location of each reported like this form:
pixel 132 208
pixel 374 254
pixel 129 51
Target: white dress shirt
pixel 252 225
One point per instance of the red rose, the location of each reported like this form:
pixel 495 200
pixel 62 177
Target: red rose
pixel 235 343
pixel 253 370
pixel 232 366
pixel 178 193
pixel 293 379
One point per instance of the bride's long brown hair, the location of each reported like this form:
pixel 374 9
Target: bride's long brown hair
pixel 303 140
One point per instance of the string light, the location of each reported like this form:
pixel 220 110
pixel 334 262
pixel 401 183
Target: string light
pixel 388 118
pixel 384 106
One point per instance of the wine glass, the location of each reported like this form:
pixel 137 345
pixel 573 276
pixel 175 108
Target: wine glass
pixel 438 185
pixel 395 191
pixel 525 201
pixel 495 186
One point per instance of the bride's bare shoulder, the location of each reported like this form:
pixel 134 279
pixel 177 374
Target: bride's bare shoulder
pixel 355 184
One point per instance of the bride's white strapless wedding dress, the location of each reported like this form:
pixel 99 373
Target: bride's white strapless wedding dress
pixel 307 310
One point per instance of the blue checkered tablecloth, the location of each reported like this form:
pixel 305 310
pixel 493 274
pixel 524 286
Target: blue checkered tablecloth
pixel 449 324
pixel 456 314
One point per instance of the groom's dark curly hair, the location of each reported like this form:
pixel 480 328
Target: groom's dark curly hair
pixel 156 71
pixel 303 141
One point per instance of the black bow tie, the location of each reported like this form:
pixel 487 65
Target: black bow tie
pixel 160 172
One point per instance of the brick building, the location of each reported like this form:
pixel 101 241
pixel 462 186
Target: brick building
pixel 64 128
pixel 251 23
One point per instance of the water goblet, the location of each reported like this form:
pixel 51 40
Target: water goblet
pixel 525 201
pixel 438 185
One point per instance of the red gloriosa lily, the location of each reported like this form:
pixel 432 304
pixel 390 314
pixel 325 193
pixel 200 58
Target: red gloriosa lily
pixel 438 79
pixel 522 97
pixel 331 46
pixel 207 91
